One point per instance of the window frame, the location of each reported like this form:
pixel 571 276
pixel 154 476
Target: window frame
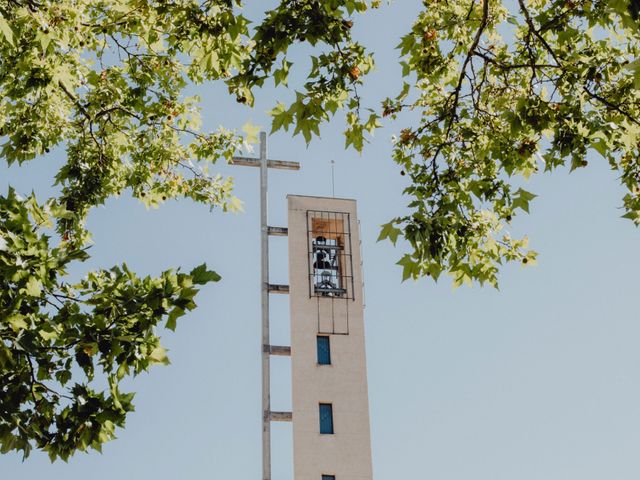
pixel 323 429
pixel 328 348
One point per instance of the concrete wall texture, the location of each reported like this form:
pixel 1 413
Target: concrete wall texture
pixel 346 453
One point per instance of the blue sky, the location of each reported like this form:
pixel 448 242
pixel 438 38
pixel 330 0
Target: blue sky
pixel 540 380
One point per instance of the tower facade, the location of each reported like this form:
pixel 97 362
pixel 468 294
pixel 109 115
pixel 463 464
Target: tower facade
pixel 330 407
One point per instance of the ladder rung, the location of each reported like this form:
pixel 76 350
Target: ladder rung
pixel 273 288
pixel 280 416
pixel 278 231
pixel 277 350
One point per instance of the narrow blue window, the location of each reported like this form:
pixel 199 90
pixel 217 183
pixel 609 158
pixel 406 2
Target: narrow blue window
pixel 324 350
pixel 326 418
pixel 328 477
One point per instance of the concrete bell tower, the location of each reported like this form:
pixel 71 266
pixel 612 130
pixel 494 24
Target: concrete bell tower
pixel 330 415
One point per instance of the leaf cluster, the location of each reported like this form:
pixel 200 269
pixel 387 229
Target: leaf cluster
pixel 65 348
pixel 505 91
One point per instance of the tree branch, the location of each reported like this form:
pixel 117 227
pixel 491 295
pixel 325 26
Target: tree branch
pixel 611 105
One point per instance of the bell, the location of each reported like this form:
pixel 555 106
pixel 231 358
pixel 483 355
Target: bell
pixel 326 280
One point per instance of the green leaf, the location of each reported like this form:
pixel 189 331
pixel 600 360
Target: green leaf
pixel 176 313
pixel 17 322
pixel 33 287
pixel 201 275
pixel 522 198
pixel 6 30
pixel 408 267
pixel 48 335
pixel 123 369
pixel 63 376
pixel 389 231
pixel 252 132
pixel 282 117
pixel 281 75
pixel 600 146
pixel 159 355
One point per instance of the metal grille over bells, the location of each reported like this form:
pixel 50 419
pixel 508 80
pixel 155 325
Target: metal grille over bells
pixel 330 257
